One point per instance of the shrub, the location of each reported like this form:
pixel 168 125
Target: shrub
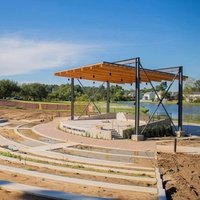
pixel 128 132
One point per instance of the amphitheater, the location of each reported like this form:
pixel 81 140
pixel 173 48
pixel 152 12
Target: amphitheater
pixel 91 171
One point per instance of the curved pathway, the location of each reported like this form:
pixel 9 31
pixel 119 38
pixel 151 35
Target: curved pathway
pixel 51 130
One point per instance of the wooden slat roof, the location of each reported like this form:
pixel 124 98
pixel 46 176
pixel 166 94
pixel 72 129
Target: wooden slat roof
pixel 114 73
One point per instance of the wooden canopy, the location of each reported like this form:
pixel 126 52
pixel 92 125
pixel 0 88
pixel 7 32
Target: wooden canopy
pixel 115 73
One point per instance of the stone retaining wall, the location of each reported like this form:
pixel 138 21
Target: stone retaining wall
pixel 95 132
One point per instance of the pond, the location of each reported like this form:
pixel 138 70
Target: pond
pixel 191 112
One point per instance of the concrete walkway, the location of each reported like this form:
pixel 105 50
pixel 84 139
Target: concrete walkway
pixel 50 130
pixel 48 147
pixel 79 181
pixel 43 192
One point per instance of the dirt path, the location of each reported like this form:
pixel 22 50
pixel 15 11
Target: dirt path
pixel 181 175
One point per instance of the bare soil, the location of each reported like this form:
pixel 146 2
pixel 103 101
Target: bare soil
pixel 181 175
pixel 184 142
pixel 29 133
pixel 147 162
pixel 75 188
pixel 11 135
pixel 21 114
pixel 77 175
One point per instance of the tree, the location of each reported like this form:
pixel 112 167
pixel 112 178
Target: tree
pixel 8 88
pixel 161 87
pixel 197 86
pixel 191 85
pixel 117 93
pixel 61 93
pixel 34 91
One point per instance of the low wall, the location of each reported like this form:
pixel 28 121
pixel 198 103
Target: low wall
pixel 128 116
pixel 100 116
pixel 92 132
pixel 19 104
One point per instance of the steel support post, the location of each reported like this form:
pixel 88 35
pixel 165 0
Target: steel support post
pixel 180 99
pixel 108 98
pixel 137 97
pixel 72 98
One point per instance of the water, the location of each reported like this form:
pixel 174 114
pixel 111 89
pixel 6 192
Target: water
pixel 191 112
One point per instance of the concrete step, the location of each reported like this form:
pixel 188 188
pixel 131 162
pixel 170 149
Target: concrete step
pixel 116 135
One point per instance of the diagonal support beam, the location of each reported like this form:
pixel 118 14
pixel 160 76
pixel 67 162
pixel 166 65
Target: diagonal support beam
pixel 160 100
pixel 90 98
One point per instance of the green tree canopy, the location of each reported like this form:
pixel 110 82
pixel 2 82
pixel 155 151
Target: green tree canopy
pixel 34 91
pixel 8 88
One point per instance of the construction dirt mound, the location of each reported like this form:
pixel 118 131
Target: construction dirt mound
pixel 181 175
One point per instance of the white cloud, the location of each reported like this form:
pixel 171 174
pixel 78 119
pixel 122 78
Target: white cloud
pixel 20 56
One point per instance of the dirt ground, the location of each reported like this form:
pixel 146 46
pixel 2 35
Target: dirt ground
pixel 75 188
pixel 180 172
pixel 21 114
pixel 190 142
pixel 181 175
pixel 10 134
pixel 78 175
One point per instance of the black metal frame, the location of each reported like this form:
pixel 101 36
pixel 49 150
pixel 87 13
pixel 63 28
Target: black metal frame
pixel 135 62
pixel 72 98
pixel 108 98
pixel 90 98
pixel 160 102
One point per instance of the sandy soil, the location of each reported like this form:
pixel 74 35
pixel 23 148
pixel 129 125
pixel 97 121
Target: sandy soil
pixel 10 134
pixel 137 161
pixel 19 114
pixel 77 175
pixel 75 188
pixel 181 175
pixel 184 142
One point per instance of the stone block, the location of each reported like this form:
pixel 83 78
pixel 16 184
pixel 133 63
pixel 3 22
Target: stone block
pixel 137 137
pixel 180 133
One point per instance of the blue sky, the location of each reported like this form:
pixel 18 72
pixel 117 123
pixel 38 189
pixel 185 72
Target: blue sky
pixel 40 37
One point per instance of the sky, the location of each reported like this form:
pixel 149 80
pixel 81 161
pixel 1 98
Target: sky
pixel 40 37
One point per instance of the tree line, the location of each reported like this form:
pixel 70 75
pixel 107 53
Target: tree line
pixel 52 92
